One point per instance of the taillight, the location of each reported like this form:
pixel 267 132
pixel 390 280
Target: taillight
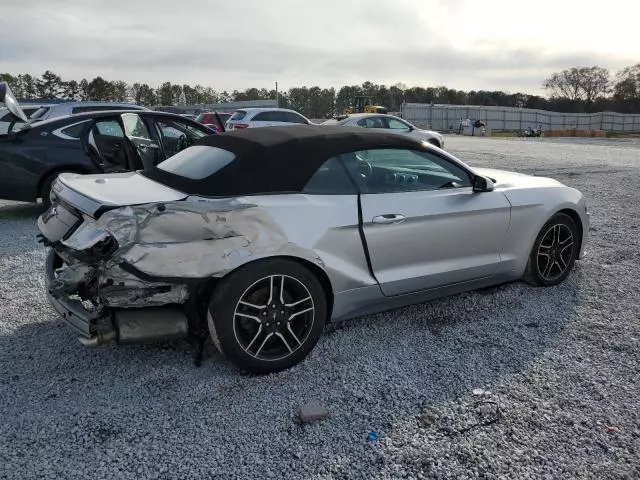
pixel 240 125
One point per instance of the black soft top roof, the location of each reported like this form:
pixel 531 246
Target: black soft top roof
pixel 278 159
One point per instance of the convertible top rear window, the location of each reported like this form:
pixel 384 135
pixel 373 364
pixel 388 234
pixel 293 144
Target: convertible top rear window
pixel 197 162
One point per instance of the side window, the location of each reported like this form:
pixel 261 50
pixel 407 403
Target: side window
pixel 109 128
pixel 135 126
pixel 264 117
pixel 330 179
pixel 282 117
pixel 75 131
pixel 372 122
pixel 238 115
pixel 177 136
pixel 397 124
pixel 294 118
pixel 401 170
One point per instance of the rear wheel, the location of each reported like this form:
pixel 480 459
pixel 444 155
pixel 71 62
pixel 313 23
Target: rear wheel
pixel 434 142
pixel 267 316
pixel 554 252
pixel 45 190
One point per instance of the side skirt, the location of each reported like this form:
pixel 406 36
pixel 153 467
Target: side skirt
pixel 369 300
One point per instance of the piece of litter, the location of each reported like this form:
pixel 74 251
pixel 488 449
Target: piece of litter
pixel 312 411
pixel 611 429
pixel 372 437
pixel 478 391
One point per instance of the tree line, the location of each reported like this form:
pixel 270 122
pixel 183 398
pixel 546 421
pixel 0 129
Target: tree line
pixel 574 90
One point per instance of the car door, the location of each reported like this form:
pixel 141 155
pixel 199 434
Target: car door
pixel 138 135
pixel 105 143
pixel 424 225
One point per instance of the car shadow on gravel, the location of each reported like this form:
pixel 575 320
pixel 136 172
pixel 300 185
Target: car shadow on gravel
pixel 372 373
pixel 376 373
pixel 20 211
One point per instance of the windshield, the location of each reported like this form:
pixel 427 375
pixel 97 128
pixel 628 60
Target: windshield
pixel 197 162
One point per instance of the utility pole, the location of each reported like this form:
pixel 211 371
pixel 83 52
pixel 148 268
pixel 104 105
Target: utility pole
pixel 277 97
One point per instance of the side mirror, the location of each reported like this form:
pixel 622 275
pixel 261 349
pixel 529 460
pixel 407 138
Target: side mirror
pixel 482 184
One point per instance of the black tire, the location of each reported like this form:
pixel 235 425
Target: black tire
pixel 45 191
pixel 434 142
pixel 562 254
pixel 243 340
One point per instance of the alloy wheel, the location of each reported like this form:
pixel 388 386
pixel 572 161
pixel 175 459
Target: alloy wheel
pixel 555 252
pixel 273 317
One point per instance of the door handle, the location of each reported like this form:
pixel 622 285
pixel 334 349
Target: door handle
pixel 388 218
pixel 150 145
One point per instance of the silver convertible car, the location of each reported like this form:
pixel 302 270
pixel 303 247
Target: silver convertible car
pixel 262 236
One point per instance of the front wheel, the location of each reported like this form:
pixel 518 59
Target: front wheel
pixel 554 252
pixel 268 316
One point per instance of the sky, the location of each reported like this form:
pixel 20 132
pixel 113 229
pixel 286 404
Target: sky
pixel 507 45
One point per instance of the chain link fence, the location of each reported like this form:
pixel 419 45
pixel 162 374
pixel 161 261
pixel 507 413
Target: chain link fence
pixel 448 117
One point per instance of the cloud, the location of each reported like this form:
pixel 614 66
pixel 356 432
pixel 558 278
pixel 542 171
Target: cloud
pixel 235 45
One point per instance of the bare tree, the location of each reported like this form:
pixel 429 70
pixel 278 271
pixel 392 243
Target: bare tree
pixel 595 83
pixel 627 85
pixel 579 84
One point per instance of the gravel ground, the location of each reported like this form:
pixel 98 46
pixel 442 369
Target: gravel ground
pixel 561 365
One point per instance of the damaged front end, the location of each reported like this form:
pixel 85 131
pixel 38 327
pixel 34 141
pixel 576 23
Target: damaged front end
pixel 130 275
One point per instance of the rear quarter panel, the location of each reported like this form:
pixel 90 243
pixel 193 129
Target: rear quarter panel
pixel 27 160
pixel 326 227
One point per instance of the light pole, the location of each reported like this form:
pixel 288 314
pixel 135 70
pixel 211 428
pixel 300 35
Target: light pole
pixel 277 97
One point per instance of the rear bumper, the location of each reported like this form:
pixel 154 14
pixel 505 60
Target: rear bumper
pixel 82 321
pixel 122 325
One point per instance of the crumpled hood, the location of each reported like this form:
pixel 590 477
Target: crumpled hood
pixel 506 179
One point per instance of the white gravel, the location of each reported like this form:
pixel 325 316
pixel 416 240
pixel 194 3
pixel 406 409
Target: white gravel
pixel 561 365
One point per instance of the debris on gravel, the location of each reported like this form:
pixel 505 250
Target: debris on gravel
pixel 313 411
pixel 561 364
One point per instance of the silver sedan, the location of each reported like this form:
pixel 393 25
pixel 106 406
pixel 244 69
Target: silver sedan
pixel 388 123
pixel 263 236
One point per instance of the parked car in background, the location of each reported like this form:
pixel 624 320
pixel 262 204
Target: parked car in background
pixel 265 117
pixel 32 155
pixel 389 123
pixel 6 117
pixel 266 234
pixel 210 120
pixel 71 108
